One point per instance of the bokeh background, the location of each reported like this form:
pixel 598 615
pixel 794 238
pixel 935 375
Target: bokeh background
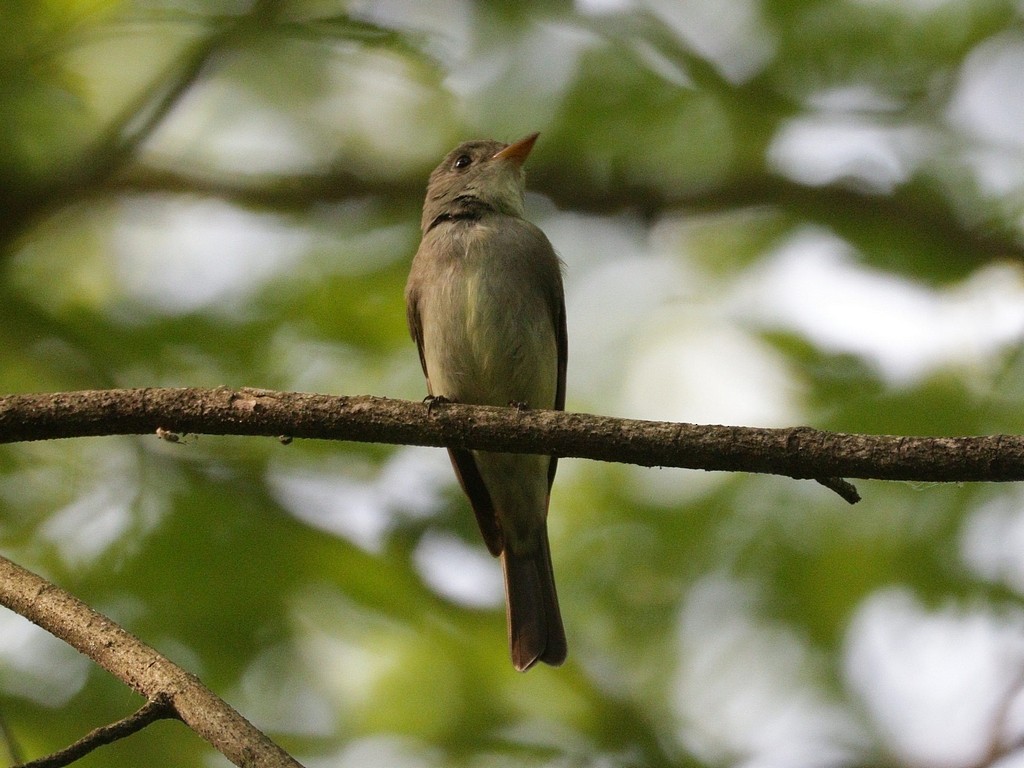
pixel 772 212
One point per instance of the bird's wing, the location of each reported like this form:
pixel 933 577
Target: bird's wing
pixel 562 344
pixel 479 498
pixel 412 317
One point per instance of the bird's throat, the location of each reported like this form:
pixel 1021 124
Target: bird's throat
pixel 463 208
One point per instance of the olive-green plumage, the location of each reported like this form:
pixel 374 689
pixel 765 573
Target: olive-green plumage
pixel 486 309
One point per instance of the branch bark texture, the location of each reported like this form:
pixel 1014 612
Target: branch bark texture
pixel 150 712
pixel 139 666
pixel 798 452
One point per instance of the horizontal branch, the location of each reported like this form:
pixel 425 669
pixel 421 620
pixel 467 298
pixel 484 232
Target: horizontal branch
pixel 932 220
pixel 798 452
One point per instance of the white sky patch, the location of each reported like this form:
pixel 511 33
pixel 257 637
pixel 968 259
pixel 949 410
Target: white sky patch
pixel 464 574
pixel 183 255
pixel 359 503
pixel 934 682
pixel 37 666
pixel 823 149
pixel 910 7
pixel 992 541
pixel 348 650
pixel 813 285
pixel 604 6
pixel 384 749
pixel 708 373
pixel 988 105
pixel 102 499
pixel 277 692
pixel 516 83
pixel 1000 173
pixel 379 112
pixel 614 282
pixel 108 503
pixel 95 521
pixel 853 98
pixel 375 107
pixel 734 35
pixel 443 27
pixel 315 365
pixel 746 691
pixel 988 101
pixel 221 126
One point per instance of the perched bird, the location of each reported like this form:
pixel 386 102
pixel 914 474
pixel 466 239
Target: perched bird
pixel 486 309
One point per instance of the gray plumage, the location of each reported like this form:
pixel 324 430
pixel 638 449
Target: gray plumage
pixel 486 309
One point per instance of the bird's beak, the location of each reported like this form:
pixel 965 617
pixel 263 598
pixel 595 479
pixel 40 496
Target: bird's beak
pixel 518 151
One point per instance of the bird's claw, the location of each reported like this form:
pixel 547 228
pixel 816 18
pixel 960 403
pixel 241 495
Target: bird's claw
pixel 432 400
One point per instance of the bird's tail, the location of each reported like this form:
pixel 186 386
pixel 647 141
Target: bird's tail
pixel 535 631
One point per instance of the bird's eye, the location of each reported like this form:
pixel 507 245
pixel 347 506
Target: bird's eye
pixel 463 161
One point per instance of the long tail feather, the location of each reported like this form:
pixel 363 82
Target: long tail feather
pixel 535 631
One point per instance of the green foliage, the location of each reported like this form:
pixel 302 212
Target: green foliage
pixel 228 194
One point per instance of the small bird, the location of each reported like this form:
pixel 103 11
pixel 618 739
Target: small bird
pixel 486 309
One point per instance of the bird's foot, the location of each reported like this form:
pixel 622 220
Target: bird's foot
pixel 432 400
pixel 519 405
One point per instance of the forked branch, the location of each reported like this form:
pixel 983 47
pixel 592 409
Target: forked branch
pixel 140 667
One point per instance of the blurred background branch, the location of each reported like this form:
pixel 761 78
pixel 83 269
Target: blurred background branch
pixel 771 213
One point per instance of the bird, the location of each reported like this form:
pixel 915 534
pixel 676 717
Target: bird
pixel 485 305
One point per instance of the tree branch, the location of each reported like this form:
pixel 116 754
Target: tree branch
pixel 139 666
pixel 931 219
pixel 797 452
pixel 117 143
pixel 150 712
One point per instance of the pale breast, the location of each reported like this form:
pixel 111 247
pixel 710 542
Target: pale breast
pixel 488 332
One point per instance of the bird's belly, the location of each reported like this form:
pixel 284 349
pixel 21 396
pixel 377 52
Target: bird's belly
pixel 491 345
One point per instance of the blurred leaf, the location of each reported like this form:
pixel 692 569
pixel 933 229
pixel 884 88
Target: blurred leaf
pixel 228 193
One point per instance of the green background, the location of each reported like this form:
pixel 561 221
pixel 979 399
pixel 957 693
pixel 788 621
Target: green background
pixel 772 213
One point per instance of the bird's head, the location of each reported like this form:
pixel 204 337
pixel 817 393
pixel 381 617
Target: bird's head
pixel 477 176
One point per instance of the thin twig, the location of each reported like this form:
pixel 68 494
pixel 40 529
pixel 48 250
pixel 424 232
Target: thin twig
pixel 139 666
pixel 155 709
pixel 847 491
